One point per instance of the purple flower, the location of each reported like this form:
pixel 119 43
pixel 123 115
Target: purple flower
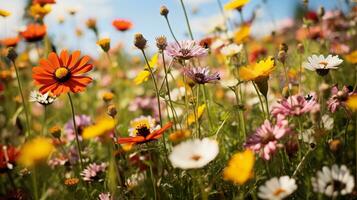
pixel 185 50
pixel 104 196
pixel 265 140
pixel 338 98
pixel 201 75
pixel 82 121
pixel 94 172
pixel 295 105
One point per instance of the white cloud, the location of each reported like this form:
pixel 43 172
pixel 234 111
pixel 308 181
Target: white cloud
pixel 195 3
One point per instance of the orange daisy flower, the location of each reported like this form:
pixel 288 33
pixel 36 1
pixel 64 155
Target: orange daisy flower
pixel 34 32
pixel 10 42
pixel 43 2
pixel 62 74
pixel 144 135
pixel 122 24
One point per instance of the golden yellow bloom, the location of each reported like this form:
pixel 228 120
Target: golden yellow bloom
pixel 179 135
pixel 103 126
pixel 144 75
pixel 108 96
pixel 104 43
pixel 240 167
pixel 235 4
pixel 4 13
pixel 257 71
pixel 35 151
pixel 352 102
pixel 191 118
pixel 352 57
pixel 242 34
pixel 40 11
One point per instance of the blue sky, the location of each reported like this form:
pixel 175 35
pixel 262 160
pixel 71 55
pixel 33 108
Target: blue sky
pixel 146 18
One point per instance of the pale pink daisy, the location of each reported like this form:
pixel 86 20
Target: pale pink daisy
pixel 295 105
pixel 185 50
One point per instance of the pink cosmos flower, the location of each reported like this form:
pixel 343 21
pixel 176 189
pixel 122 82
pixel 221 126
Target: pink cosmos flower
pixel 185 50
pixel 265 140
pixel 295 105
pixel 338 98
pixel 94 172
pixel 201 75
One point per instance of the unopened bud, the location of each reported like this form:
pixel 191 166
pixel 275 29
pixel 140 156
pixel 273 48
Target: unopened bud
pixel 140 41
pixel 108 96
pixel 283 47
pixel 112 111
pixel 164 11
pixel 282 56
pixel 11 54
pixel 104 44
pixel 55 131
pixel 335 145
pixel 161 42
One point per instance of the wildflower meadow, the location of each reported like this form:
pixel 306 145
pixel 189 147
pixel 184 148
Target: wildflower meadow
pixel 251 108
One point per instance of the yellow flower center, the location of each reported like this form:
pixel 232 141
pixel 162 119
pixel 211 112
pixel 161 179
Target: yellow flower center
pixel 323 63
pixel 61 73
pixel 278 191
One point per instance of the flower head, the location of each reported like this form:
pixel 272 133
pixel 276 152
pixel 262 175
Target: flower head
pixel 231 50
pixel 103 126
pixel 8 157
pixel 201 75
pixel 257 71
pixel 122 24
pixel 35 151
pixel 338 98
pixel 277 188
pixel 82 121
pixel 4 13
pixel 242 34
pixel 185 50
pixel 43 99
pixel 295 105
pixel 43 2
pixel 352 102
pixel 104 43
pixel 194 153
pixel 265 140
pixel 352 57
pixel 240 167
pixel 322 65
pixel 235 4
pixel 39 11
pixel 34 32
pixel 10 42
pixel 94 172
pixel 333 182
pixel 60 75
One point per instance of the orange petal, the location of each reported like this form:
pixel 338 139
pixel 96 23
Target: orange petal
pixel 47 88
pixel 64 57
pixel 159 132
pixel 136 139
pixel 73 59
pixel 83 69
pixel 53 59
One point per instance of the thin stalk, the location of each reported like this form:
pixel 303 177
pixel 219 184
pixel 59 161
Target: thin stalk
pixel 23 99
pixel 187 21
pixel 300 163
pixel 287 78
pixel 76 131
pixel 267 106
pixel 195 111
pixel 153 178
pixel 170 28
pixel 34 183
pixel 300 74
pixel 208 106
pixel 260 99
pixel 44 128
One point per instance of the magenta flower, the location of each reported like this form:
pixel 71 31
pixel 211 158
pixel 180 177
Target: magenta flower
pixel 338 98
pixel 82 121
pixel 201 75
pixel 94 172
pixel 185 50
pixel 295 105
pixel 265 140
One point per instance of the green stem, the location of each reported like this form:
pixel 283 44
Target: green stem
pixel 170 28
pixel 260 99
pixel 153 178
pixel 34 183
pixel 208 106
pixel 187 21
pixel 195 111
pixel 44 128
pixel 23 99
pixel 76 131
pixel 300 163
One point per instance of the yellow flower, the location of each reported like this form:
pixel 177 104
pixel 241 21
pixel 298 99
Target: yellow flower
pixel 4 13
pixel 240 167
pixel 257 71
pixel 242 34
pixel 352 57
pixel 179 135
pixel 200 110
pixel 35 151
pixel 104 43
pixel 108 96
pixel 103 126
pixel 235 4
pixel 352 102
pixel 40 11
pixel 144 75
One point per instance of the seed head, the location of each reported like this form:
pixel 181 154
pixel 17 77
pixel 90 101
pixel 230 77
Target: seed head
pixel 164 11
pixel 140 41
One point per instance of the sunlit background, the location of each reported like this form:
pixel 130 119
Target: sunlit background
pixel 204 16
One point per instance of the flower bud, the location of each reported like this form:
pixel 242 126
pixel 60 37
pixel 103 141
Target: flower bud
pixel 108 96
pixel 104 43
pixel 283 47
pixel 335 145
pixel 140 41
pixel 55 131
pixel 161 42
pixel 11 54
pixel 282 56
pixel 164 11
pixel 112 110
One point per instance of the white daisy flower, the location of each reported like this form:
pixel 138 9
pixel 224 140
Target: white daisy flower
pixel 277 188
pixel 194 153
pixel 333 182
pixel 231 50
pixel 322 65
pixel 44 99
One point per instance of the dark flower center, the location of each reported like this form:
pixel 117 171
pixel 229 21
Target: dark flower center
pixel 62 74
pixel 337 185
pixel 265 139
pixel 200 78
pixel 185 52
pixel 322 72
pixel 143 130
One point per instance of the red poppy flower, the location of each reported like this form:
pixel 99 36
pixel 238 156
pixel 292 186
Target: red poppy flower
pixel 62 74
pixel 8 156
pixel 144 135
pixel 10 42
pixel 122 24
pixel 43 2
pixel 34 32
